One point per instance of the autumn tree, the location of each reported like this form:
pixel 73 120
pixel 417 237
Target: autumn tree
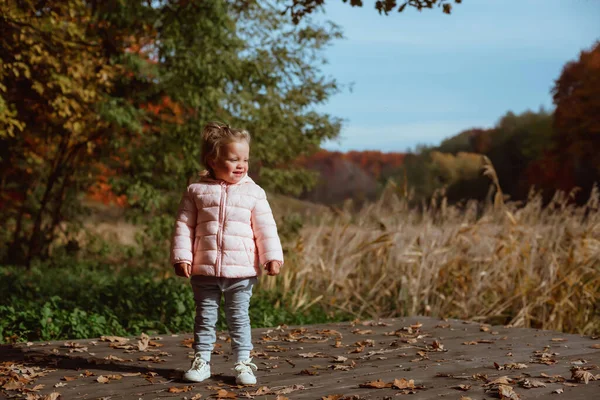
pixel 576 95
pixel 112 95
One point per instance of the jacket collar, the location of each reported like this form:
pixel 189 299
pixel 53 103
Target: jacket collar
pixel 208 179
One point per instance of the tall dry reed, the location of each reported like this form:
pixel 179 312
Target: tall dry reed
pixel 520 265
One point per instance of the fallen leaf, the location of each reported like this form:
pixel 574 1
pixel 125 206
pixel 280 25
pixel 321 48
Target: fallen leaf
pixel 558 339
pixel 60 384
pixel 529 383
pixel 281 398
pixel 332 397
pixel 69 378
pixel 462 387
pixel 403 384
pixel 580 375
pixel 507 392
pixel 102 379
pixel 503 380
pixel 362 332
pixel 312 355
pixel 13 385
pixel 308 372
pixel 340 359
pixel 115 358
pixel 196 397
pixel 131 373
pixel 595 346
pixel 174 389
pixel 290 389
pixel 261 391
pixel 224 394
pixel 378 384
pixel 558 391
pixel 114 339
pixel 142 344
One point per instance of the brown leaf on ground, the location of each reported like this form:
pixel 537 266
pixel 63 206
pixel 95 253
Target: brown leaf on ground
pixel 510 366
pixel 114 339
pixel 308 372
pixel 281 398
pixel 154 359
pixel 595 346
pixel 188 342
pixel 131 374
pixel 108 378
pixel 558 339
pixel 558 391
pixel 289 389
pixel 338 344
pixel 110 357
pixel 261 391
pixel 13 385
pixel 318 354
pixel 329 332
pixel 580 375
pixel 503 380
pixel 51 396
pixel 224 394
pixel 462 387
pixel 142 344
pixel 365 343
pixel 378 384
pixel 358 349
pixel 175 389
pixel 69 378
pixel 529 383
pixel 471 343
pixel 196 397
pixel 437 345
pixel 340 359
pixel 362 332
pixel 332 397
pixel 60 384
pixel 465 398
pixel 403 384
pixel 507 393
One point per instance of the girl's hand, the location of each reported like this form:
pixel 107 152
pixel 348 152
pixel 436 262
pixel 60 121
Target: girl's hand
pixel 273 268
pixel 183 269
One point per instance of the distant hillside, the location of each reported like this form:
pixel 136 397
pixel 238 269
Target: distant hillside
pixel 356 174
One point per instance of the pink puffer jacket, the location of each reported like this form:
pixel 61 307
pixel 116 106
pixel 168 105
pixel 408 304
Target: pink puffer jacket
pixel 225 230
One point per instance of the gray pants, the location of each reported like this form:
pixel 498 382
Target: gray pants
pixel 207 295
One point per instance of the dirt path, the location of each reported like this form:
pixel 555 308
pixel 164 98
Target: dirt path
pixel 425 358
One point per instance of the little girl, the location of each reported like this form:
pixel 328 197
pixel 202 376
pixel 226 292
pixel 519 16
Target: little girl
pixel 224 234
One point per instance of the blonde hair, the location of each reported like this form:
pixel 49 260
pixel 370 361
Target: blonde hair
pixel 214 136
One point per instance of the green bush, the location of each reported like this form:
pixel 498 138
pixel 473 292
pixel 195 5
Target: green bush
pixel 71 299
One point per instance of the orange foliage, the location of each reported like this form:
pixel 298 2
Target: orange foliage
pixel 371 161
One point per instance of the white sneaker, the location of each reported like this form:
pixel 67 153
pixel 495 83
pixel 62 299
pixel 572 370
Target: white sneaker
pixel 245 373
pixel 199 371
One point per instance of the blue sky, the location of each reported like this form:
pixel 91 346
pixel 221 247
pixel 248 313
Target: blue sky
pixel 418 78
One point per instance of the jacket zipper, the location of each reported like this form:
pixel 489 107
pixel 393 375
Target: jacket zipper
pixel 219 262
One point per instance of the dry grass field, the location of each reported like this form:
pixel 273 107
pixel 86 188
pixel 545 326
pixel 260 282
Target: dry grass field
pixel 523 266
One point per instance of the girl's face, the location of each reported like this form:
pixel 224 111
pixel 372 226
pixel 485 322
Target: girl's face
pixel 232 164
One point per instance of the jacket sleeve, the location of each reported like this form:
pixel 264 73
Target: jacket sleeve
pixel 184 231
pixel 265 232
